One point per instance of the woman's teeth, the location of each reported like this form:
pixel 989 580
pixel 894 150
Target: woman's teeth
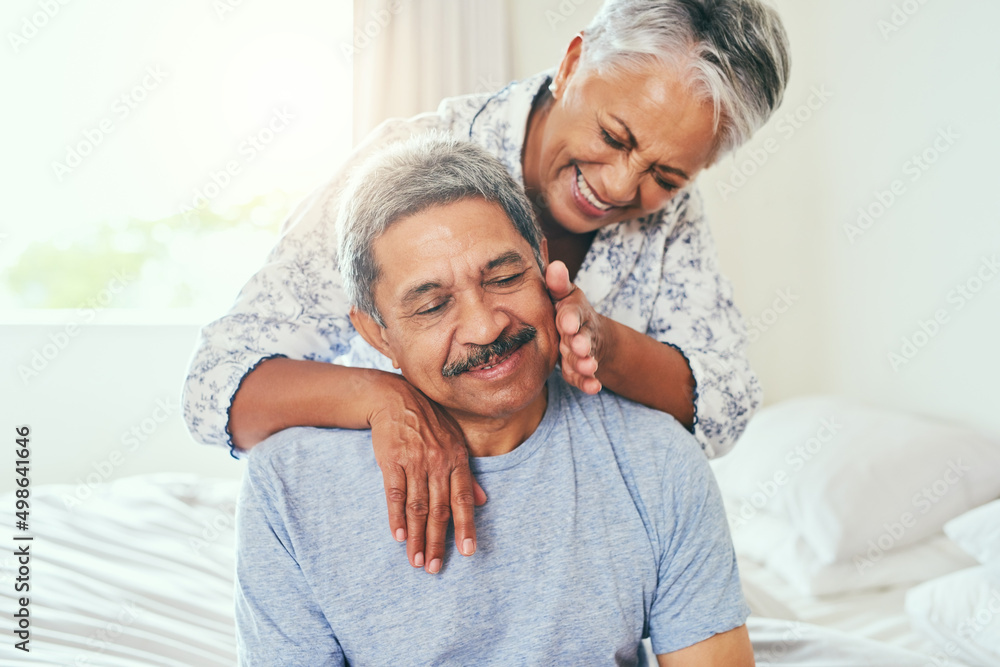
pixel 588 194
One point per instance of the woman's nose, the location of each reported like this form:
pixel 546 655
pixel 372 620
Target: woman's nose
pixel 621 181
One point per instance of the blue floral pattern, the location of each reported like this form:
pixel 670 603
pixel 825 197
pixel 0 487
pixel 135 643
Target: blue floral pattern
pixel 658 274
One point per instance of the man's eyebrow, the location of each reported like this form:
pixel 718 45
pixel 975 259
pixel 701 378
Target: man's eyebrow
pixel 506 259
pixel 418 291
pixel 635 144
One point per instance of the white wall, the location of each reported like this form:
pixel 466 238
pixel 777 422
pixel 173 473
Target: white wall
pixel 89 395
pixel 881 99
pixel 542 29
pixel 939 71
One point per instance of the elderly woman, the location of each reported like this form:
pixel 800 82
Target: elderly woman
pixel 608 147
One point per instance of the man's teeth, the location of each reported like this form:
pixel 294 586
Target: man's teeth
pixel 490 363
pixel 588 194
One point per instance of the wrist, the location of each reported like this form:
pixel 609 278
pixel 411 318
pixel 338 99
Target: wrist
pixel 384 392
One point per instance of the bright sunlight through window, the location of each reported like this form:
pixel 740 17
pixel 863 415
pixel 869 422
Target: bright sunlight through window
pixel 162 145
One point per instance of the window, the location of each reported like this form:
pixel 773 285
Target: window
pixel 153 149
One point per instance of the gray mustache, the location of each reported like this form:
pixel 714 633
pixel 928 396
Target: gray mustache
pixel 501 346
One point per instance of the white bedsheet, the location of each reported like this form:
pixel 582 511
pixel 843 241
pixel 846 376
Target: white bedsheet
pixel 875 615
pixel 141 573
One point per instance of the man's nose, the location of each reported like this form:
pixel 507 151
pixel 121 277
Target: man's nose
pixel 479 322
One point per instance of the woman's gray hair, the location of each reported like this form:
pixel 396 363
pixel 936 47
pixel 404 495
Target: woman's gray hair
pixel 406 178
pixel 736 51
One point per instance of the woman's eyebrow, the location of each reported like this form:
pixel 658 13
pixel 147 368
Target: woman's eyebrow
pixel 635 145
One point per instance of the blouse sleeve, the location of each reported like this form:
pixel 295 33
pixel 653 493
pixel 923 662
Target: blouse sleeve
pixel 294 306
pixel 694 313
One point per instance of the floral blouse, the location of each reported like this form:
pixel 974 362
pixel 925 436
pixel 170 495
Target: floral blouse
pixel 658 274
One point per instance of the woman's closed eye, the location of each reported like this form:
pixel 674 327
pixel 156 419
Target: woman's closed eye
pixel 621 146
pixel 666 185
pixel 611 141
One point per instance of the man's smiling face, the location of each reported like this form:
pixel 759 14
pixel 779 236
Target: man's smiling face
pixel 467 317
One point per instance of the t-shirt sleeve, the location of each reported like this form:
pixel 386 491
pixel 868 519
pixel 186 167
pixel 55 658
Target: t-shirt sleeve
pixel 698 592
pixel 278 621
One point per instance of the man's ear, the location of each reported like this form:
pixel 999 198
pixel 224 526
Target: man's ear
pixel 373 333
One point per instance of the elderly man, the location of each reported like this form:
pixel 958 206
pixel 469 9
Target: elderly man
pixel 604 524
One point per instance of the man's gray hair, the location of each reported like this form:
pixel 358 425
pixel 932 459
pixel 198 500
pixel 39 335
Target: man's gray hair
pixel 735 51
pixel 407 178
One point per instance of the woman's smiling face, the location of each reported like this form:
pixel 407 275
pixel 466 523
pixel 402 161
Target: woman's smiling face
pixel 615 146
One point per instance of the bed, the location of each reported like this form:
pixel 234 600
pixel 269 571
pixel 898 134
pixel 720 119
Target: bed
pixel 139 571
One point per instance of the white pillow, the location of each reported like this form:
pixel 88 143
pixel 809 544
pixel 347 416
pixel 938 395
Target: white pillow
pixel 961 613
pixel 774 543
pixel 978 532
pixel 855 480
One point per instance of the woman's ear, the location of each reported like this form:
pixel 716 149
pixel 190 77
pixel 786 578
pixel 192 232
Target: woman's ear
pixel 567 67
pixel 373 333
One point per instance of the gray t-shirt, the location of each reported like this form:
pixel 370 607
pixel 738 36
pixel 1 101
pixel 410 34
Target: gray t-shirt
pixel 603 527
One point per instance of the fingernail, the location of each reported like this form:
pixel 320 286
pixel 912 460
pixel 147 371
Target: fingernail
pixel 434 566
pixel 468 546
pixel 400 535
pixel 418 560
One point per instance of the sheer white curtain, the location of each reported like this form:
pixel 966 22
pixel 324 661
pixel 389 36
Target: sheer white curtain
pixel 409 54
